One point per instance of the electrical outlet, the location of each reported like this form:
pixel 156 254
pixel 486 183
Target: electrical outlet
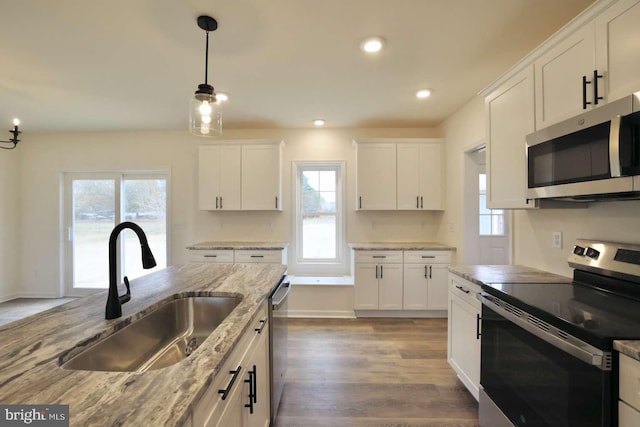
pixel 556 239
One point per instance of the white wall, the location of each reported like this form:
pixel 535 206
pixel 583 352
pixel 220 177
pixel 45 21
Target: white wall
pixel 9 222
pixel 46 156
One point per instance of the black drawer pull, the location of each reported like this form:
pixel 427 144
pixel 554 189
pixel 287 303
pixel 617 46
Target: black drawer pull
pixel 428 256
pixel 211 256
pixel 257 256
pixel 466 291
pixel 263 323
pixel 478 319
pixel 379 256
pixel 225 392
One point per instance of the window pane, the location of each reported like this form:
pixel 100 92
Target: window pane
pixel 318 236
pixel 311 197
pixel 328 201
pixel 93 219
pixel 485 225
pixel 327 181
pixel 145 203
pixel 483 205
pixel 311 179
pixel 497 225
pixel 482 181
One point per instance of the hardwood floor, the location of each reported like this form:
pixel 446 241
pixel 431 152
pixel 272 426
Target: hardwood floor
pixel 372 372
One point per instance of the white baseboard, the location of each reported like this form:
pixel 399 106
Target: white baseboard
pixel 9 297
pixel 322 314
pixel 402 313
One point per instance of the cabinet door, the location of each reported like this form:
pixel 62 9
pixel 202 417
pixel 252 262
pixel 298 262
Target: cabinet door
pixel 627 416
pixel 510 117
pixel 438 289
pixel 617 59
pixel 228 413
pixel 416 281
pixel 408 182
pixel 463 345
pixel 208 177
pixel 261 177
pixel 431 185
pixel 559 72
pixel 366 287
pixel 229 178
pixel 376 176
pixel 390 287
pixel 259 360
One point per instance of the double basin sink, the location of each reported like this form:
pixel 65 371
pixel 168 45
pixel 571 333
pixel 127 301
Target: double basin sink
pixel 162 338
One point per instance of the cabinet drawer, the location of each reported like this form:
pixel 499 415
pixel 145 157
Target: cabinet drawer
pixel 218 256
pixel 259 256
pixel 465 290
pixel 427 257
pixel 627 416
pixel 630 381
pixel 378 256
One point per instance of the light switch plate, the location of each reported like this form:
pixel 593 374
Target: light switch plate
pixel 556 239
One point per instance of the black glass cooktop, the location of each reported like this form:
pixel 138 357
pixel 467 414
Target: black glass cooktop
pixel 597 316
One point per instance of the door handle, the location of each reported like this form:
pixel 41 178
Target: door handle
pixel 417 202
pixel 276 202
pixel 478 333
pixel 217 202
pixel 220 202
pixel 360 202
pixel 376 271
pixel 585 82
pixel 425 271
pixel 381 271
pixel 430 272
pixel 596 98
pixel 263 323
pixel 225 392
pixel 421 204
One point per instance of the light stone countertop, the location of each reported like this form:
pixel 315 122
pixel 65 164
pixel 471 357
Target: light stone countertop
pixel 628 347
pixel 481 274
pixel 401 246
pixel 274 246
pixel 30 349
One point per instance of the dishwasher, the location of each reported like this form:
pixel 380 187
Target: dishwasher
pixel 278 342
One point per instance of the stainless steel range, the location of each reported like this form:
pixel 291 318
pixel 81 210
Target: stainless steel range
pixel 547 348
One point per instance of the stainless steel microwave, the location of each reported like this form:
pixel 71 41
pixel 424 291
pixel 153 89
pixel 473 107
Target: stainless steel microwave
pixel 593 156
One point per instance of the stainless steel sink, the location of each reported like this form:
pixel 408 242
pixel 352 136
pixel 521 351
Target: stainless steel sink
pixel 165 336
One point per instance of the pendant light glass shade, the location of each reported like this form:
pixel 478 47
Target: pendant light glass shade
pixel 205 117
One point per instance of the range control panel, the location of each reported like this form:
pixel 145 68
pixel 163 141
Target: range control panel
pixel 616 259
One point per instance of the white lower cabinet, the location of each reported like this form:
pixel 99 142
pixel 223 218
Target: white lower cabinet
pixel 629 392
pixel 401 280
pixel 239 394
pixel 463 343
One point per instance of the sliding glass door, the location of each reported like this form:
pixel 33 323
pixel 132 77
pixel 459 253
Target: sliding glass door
pixel 94 204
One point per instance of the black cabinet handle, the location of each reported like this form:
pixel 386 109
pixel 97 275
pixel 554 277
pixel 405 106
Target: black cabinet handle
pixel 217 202
pixel 276 202
pixel 379 256
pixel 585 82
pixel 417 202
pixel 225 392
pixel 257 256
pixel 252 387
pixel 596 76
pixel 466 291
pixel 425 271
pixel 428 256
pixel 478 319
pixel 220 202
pixel 360 202
pixel 430 272
pixel 381 271
pixel 211 256
pixel 421 204
pixel 263 323
pixel 376 271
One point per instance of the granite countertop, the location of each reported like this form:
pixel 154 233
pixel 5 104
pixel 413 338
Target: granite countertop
pixel 481 274
pixel 628 347
pixel 401 246
pixel 30 349
pixel 273 246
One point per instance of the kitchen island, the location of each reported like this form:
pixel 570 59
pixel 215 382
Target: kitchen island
pixel 32 347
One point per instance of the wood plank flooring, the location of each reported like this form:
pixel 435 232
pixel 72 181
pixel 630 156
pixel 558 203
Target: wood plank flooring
pixel 372 372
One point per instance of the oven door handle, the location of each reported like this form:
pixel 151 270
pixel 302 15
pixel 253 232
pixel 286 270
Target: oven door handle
pixel 563 341
pixel 614 147
pixel 275 303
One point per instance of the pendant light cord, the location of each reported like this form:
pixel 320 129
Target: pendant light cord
pixel 206 60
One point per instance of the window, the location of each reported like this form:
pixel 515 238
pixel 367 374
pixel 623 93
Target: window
pixel 319 218
pixel 491 220
pixel 94 204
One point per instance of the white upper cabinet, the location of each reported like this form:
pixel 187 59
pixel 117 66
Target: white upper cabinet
pixel 617 40
pixel 219 177
pixel 238 176
pixel 564 78
pixel 376 176
pixel 510 117
pixel 261 188
pixel 400 175
pixel 419 176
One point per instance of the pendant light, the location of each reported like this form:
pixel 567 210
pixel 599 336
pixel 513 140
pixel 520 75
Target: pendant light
pixel 14 140
pixel 205 118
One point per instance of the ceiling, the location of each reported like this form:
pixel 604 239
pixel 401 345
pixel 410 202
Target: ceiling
pixel 88 65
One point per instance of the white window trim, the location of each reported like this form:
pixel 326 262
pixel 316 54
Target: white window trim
pixel 66 268
pixel 297 264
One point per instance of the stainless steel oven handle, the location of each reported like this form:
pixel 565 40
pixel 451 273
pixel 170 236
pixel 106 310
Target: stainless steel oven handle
pixel 287 285
pixel 577 348
pixel 614 147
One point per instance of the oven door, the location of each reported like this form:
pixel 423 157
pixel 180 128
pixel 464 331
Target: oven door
pixel 534 383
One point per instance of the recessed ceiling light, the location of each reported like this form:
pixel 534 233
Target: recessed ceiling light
pixel 372 44
pixel 319 122
pixel 424 93
pixel 221 97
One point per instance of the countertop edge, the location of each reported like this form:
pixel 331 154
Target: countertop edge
pixel 630 348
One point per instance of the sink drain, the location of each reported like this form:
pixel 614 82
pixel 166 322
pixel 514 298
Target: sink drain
pixel 191 346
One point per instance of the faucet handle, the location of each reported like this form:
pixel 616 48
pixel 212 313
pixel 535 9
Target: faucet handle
pixel 126 297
